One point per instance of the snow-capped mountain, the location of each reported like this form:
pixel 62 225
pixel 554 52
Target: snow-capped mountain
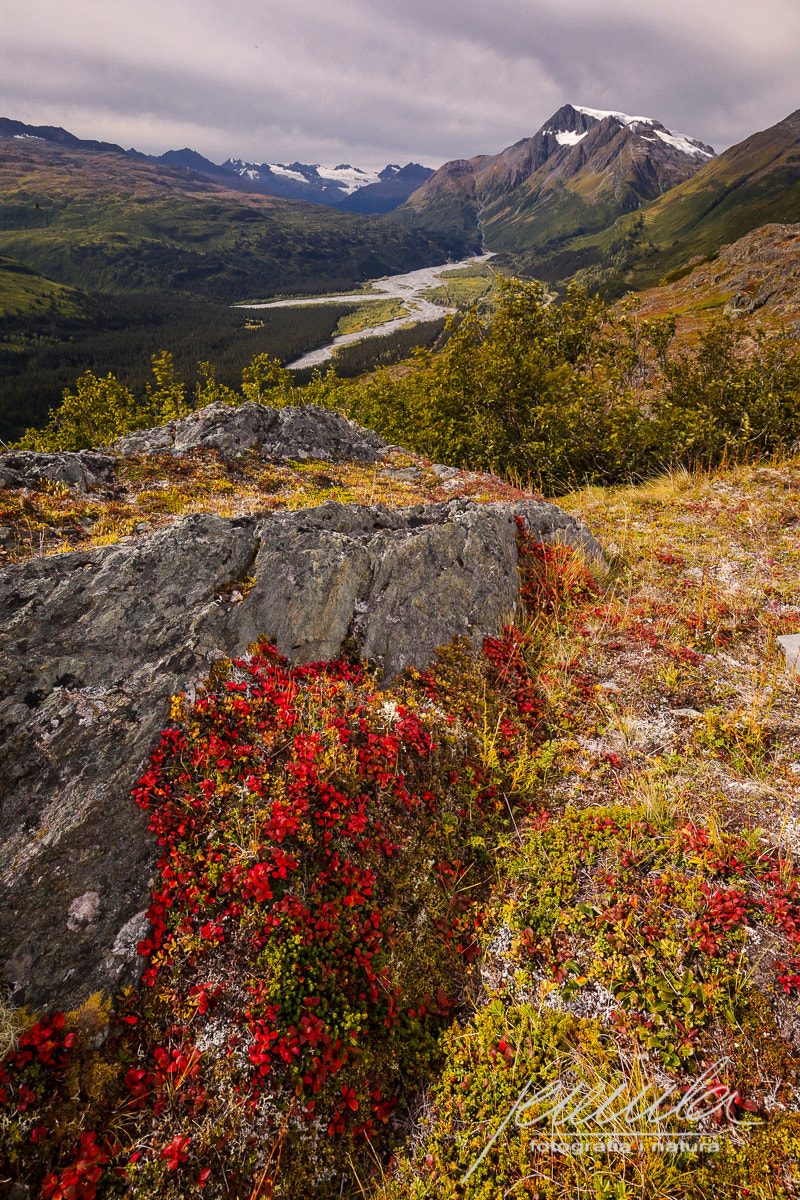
pixel 325 184
pixel 652 129
pixel 343 185
pixel 377 191
pixel 577 174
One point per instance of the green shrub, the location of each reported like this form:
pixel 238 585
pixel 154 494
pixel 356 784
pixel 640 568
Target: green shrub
pixel 572 393
pixel 101 410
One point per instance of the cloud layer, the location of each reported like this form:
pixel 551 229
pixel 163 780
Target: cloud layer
pixel 373 81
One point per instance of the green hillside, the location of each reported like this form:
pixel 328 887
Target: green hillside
pixel 103 222
pixel 554 206
pixel 24 293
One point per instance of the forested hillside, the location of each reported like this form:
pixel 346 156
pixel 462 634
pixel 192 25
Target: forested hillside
pixel 108 223
pixel 108 260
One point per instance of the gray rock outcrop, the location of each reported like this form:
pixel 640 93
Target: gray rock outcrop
pixel 81 469
pixel 93 643
pixel 302 432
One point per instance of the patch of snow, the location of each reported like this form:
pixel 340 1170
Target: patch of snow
pixel 600 115
pixel 671 137
pixel 248 170
pixel 681 142
pixel 347 178
pixel 350 179
pixel 28 137
pixel 286 172
pixel 565 138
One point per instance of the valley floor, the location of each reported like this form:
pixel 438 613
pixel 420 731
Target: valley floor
pixel 412 289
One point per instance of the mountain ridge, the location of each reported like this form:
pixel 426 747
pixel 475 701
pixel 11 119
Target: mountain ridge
pixel 143 226
pixel 320 184
pixel 752 184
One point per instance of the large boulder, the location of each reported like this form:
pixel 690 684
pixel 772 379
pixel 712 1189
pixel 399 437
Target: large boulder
pixel 301 432
pixel 93 643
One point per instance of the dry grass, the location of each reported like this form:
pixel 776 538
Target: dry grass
pixel 152 492
pixel 706 579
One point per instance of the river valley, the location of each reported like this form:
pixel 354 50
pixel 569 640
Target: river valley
pixel 410 288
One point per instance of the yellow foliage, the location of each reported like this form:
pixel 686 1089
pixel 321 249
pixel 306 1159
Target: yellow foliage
pixel 92 1017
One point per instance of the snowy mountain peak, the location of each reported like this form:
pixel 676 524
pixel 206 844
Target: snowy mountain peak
pixel 328 185
pixel 572 122
pixel 566 137
pixel 600 114
pixel 348 179
pixel 685 144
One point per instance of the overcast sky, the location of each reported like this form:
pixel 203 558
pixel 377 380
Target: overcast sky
pixel 377 81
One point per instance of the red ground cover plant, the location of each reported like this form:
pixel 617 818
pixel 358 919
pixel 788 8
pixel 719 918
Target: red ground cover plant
pixel 326 849
pixel 660 923
pixel 316 837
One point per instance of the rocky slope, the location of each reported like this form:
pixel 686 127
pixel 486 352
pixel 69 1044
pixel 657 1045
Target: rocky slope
pixel 578 173
pixel 755 279
pixel 96 641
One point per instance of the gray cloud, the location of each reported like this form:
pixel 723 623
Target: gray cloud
pixel 373 81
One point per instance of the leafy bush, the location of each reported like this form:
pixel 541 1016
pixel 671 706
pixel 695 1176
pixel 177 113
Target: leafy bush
pixel 119 334
pixel 553 394
pixel 570 393
pixel 101 410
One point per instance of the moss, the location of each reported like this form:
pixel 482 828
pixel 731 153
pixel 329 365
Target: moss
pixel 152 491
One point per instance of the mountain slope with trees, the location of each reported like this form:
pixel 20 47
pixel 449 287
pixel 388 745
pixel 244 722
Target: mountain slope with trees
pixel 104 222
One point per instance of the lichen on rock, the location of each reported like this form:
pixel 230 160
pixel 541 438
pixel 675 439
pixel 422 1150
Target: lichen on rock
pixel 302 432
